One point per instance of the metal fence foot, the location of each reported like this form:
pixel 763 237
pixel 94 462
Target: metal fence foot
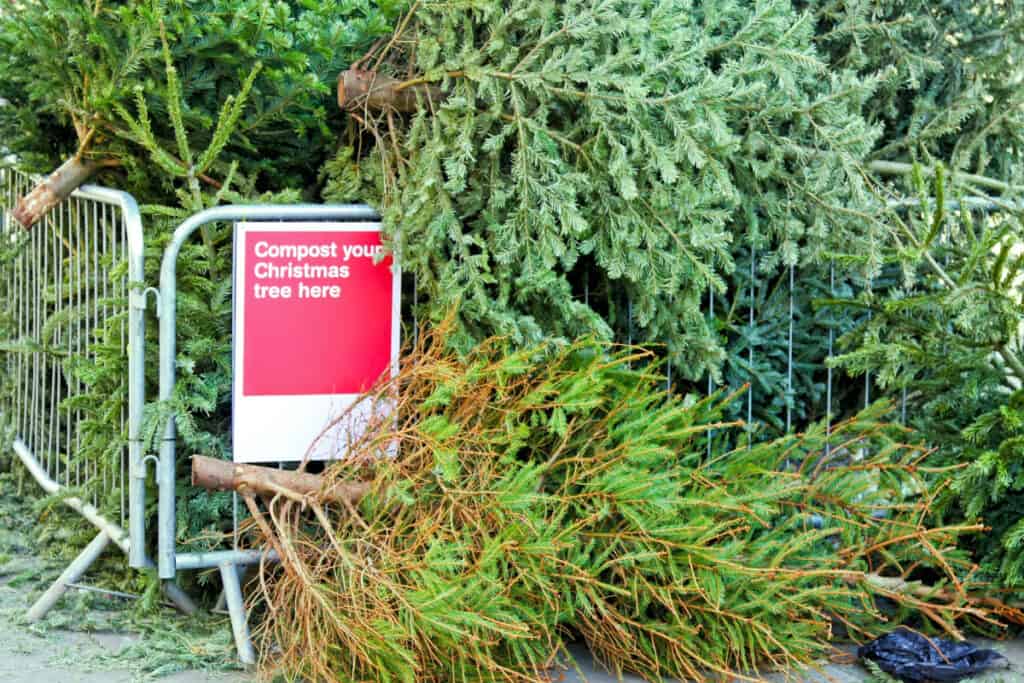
pixel 239 618
pixel 72 574
pixel 180 598
pixel 222 599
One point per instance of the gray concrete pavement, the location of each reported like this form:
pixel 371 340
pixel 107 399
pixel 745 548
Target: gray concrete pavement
pixel 69 657
pixel 52 655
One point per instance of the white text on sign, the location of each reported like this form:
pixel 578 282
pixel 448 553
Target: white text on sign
pixel 299 270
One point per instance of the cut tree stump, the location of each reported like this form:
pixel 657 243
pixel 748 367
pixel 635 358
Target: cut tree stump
pixel 221 475
pixel 54 189
pixel 361 88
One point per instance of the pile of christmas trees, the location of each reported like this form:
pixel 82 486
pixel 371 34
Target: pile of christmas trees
pixel 559 169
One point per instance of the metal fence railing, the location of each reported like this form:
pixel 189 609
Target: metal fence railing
pixel 67 295
pixel 170 559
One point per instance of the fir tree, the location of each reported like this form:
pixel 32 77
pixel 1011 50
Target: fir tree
pixel 949 338
pixel 610 167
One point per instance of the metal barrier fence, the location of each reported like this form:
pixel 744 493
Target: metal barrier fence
pixel 67 294
pixel 227 561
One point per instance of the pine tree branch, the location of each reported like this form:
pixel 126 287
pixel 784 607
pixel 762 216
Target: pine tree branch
pixel 397 34
pixel 126 135
pixel 899 168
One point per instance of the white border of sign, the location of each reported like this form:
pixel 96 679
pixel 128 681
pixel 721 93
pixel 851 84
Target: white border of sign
pixel 265 437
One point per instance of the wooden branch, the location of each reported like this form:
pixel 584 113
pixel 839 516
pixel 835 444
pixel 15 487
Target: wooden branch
pixel 221 475
pixel 1012 611
pixel 359 88
pixel 900 168
pixel 57 187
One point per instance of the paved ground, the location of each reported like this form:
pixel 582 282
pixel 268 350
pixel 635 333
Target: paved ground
pixel 65 657
pixel 173 649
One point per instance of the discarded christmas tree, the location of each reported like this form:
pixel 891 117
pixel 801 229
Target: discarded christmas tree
pixel 524 498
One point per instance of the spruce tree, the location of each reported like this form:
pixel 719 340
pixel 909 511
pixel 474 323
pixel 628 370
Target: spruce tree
pixel 612 167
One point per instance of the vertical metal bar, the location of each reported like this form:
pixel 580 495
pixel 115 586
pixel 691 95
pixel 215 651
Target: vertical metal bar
pixel 90 323
pixel 629 320
pixel 668 369
pixel 5 295
pixel 750 349
pixel 133 250
pixel 53 278
pixel 40 275
pixel 789 357
pixel 415 308
pixel 236 608
pixel 72 248
pixel 867 374
pixel 36 297
pixel 25 388
pixel 629 325
pixel 16 293
pixel 828 367
pixel 711 376
pixel 23 361
pixel 19 293
pixel 79 285
pixel 99 474
pixel 44 358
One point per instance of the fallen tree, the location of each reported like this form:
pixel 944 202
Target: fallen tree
pixel 556 492
pixel 53 189
pixel 358 88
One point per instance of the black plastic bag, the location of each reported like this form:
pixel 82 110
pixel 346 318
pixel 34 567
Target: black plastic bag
pixel 912 657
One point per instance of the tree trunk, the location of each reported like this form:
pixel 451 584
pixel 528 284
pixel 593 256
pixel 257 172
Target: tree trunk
pixel 221 475
pixel 57 187
pixel 359 88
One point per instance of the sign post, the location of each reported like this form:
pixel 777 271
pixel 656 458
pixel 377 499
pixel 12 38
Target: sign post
pixel 317 314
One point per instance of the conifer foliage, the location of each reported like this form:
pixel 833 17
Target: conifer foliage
pixel 611 167
pixel 950 337
pixel 592 166
pixel 527 497
pixel 69 70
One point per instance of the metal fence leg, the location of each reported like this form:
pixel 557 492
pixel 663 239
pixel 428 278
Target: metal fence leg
pixel 72 574
pixel 180 598
pixel 222 599
pixel 236 607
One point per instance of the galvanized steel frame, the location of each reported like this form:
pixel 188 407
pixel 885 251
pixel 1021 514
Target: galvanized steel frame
pixel 132 250
pixel 168 559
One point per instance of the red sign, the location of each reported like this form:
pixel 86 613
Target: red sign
pixel 318 312
pixel 316 324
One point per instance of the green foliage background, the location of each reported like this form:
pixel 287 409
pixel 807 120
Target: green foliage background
pixel 595 167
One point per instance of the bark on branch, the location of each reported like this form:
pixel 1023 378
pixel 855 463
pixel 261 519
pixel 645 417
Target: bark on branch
pixel 1011 611
pixel 361 88
pixel 54 189
pixel 220 475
